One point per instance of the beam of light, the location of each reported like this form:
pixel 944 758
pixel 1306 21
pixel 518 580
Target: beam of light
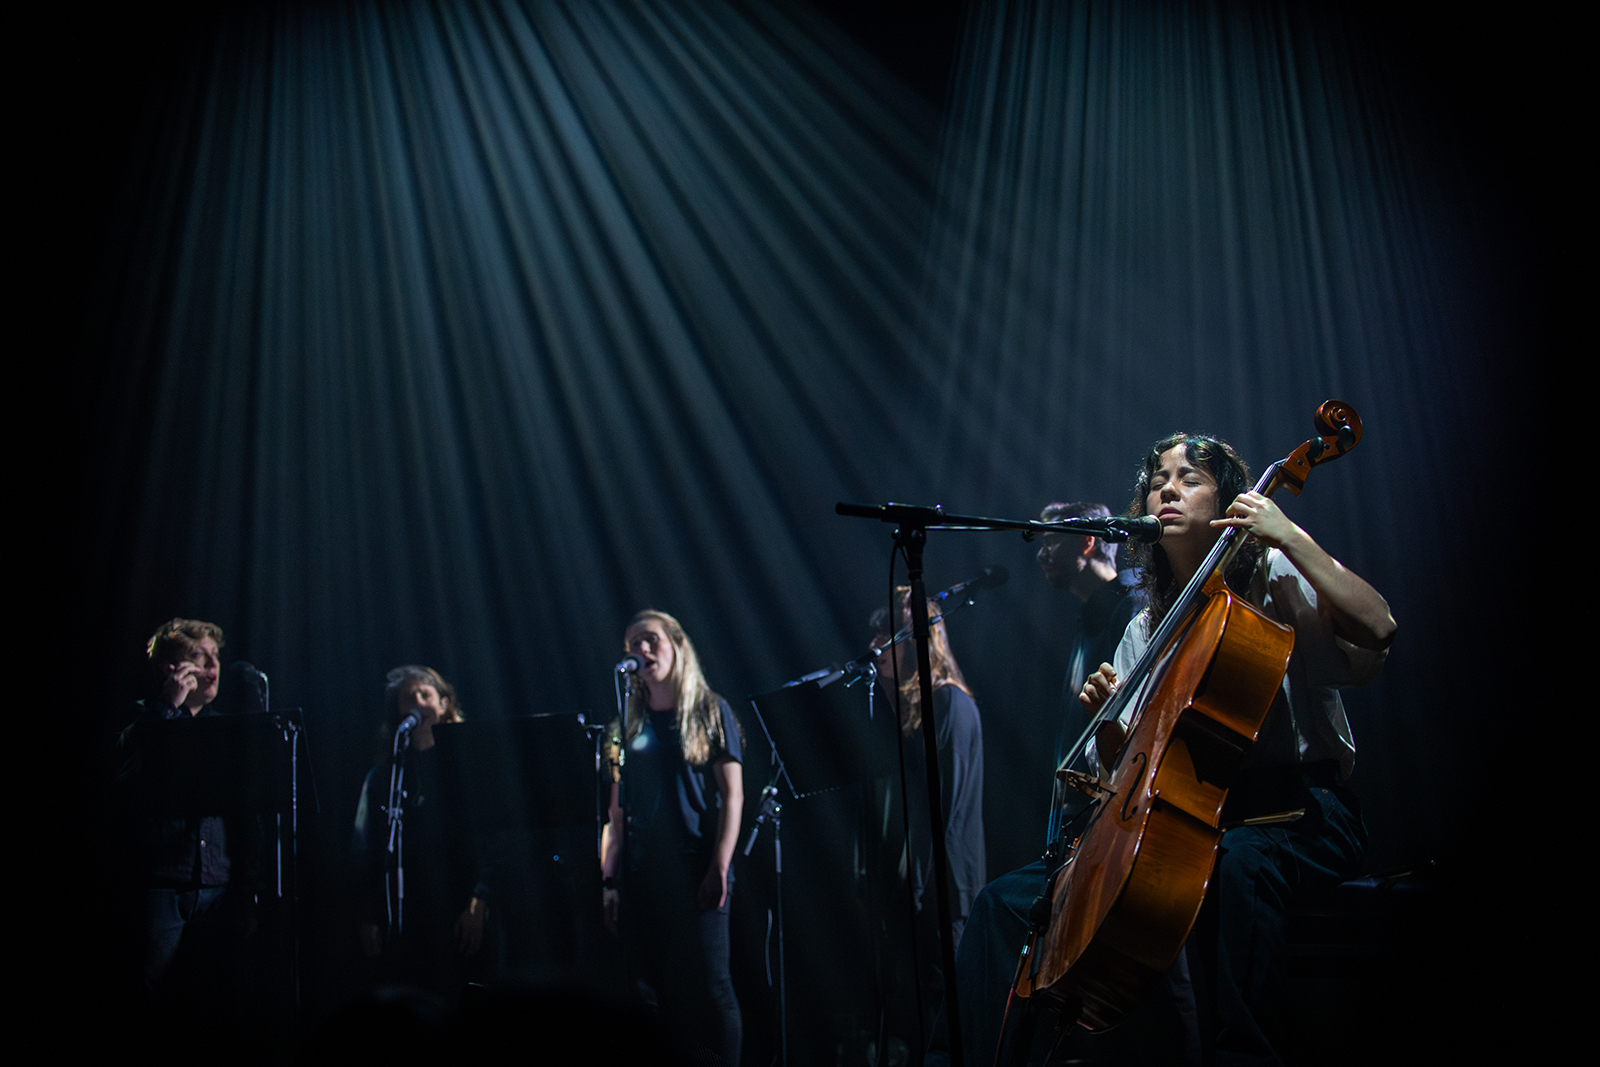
pixel 458 332
pixel 468 328
pixel 1208 216
pixel 1187 211
pixel 455 332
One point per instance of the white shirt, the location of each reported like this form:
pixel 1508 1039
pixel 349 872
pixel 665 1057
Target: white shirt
pixel 1307 723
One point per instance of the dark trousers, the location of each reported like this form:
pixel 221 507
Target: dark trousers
pixel 1223 1003
pixel 192 919
pixel 986 959
pixel 201 975
pixel 681 954
pixel 1238 950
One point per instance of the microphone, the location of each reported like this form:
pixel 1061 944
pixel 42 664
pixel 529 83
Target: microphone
pixel 1146 529
pixel 629 665
pixel 409 723
pixel 991 577
pixel 247 668
pixel 257 679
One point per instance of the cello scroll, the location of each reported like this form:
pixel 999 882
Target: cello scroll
pixel 1338 430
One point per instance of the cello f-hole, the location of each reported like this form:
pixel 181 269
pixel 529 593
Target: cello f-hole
pixel 1141 760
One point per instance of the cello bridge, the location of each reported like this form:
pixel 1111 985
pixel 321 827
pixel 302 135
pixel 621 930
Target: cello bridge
pixel 1087 784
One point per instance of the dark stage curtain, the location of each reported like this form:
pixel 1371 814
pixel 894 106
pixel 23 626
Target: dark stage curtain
pixel 455 332
pixel 1213 217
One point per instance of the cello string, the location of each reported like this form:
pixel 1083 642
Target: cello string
pixel 1220 558
pixel 1174 620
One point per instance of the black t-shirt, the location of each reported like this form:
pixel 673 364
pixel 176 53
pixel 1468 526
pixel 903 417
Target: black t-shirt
pixel 960 741
pixel 445 864
pixel 673 808
pixel 1105 617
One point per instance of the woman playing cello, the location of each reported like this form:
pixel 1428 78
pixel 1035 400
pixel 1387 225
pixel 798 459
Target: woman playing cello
pixel 1196 487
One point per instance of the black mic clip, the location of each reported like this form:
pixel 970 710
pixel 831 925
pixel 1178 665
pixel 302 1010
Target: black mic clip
pixel 769 806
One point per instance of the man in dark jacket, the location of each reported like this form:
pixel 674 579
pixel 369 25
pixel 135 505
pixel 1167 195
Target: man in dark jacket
pixel 199 892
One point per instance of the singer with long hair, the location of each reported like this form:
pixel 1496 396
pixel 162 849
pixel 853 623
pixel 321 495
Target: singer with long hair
pixel 958 733
pixel 667 848
pixel 959 736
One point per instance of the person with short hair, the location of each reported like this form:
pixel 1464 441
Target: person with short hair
pixel 1084 566
pixel 203 871
pixel 185 655
pixel 667 848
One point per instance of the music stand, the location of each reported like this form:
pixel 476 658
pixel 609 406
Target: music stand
pixel 243 765
pixel 523 788
pixel 533 771
pixel 821 739
pixel 219 764
pixel 824 739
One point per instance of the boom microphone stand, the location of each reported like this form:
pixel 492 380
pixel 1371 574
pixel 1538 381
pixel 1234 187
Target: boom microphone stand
pixel 912 523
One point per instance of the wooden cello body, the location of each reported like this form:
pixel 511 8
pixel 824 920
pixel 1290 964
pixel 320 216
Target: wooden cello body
pixel 1124 902
pixel 1127 899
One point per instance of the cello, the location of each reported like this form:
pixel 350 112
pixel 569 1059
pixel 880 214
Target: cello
pixel 1125 898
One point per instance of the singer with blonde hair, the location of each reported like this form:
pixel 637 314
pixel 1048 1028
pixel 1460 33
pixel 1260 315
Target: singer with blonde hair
pixel 667 848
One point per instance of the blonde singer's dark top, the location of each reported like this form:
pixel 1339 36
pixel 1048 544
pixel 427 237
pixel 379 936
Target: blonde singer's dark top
pixel 674 808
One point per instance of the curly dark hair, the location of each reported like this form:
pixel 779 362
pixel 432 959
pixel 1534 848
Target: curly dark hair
pixel 1217 458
